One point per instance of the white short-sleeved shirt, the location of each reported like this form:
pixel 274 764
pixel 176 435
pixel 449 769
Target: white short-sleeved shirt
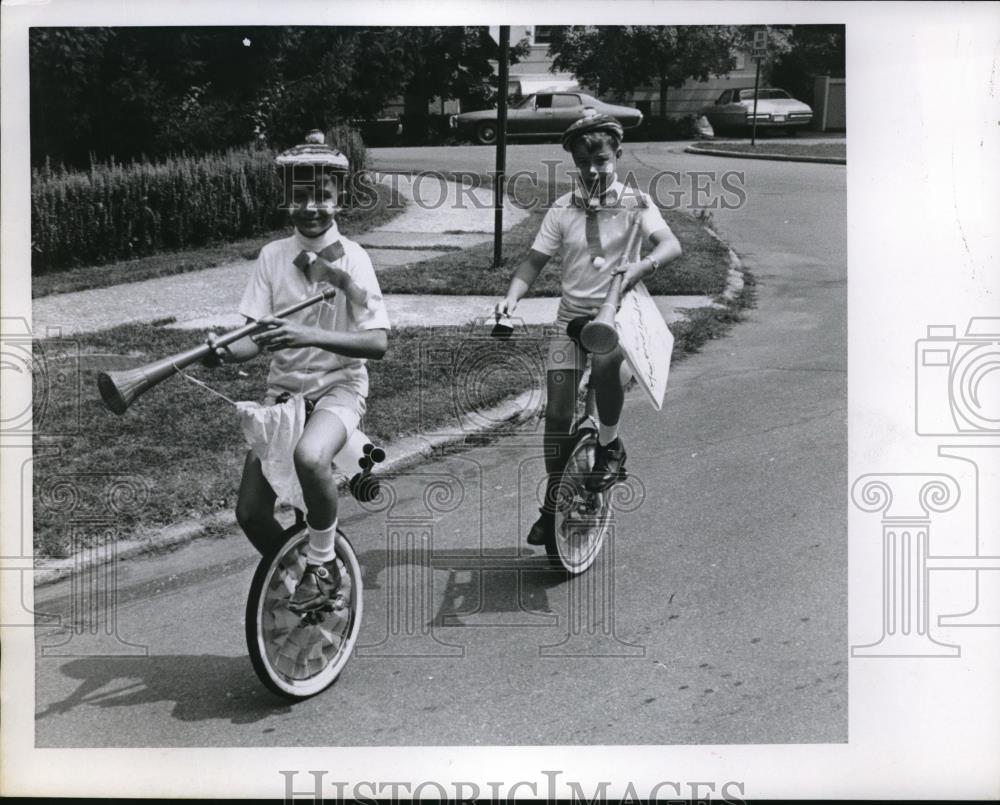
pixel 278 283
pixel 563 230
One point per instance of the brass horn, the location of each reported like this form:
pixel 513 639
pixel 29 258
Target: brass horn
pixel 119 389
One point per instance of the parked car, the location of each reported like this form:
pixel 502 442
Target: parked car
pixel 540 114
pixel 776 109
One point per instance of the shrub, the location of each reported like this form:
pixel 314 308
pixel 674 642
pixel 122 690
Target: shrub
pixel 120 211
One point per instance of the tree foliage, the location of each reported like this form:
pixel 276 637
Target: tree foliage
pixel 619 59
pixel 131 92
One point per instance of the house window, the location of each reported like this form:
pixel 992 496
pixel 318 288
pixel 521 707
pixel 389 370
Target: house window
pixel 543 34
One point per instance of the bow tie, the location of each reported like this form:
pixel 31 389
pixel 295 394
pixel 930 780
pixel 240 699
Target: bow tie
pixel 331 253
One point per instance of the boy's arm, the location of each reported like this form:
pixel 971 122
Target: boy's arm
pixel 666 249
pixel 524 277
pixel 285 334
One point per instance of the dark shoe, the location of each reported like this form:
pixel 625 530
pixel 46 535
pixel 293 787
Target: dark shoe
pixel 609 465
pixel 316 589
pixel 543 529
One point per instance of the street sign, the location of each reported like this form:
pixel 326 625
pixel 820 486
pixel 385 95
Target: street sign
pixel 759 44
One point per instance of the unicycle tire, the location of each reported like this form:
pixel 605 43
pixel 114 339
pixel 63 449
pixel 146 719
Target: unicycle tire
pixel 582 517
pixel 297 656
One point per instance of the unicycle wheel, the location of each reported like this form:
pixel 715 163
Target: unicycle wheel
pixel 300 655
pixel 582 516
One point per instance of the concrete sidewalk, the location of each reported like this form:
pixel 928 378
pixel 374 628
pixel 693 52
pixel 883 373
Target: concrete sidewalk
pixel 209 298
pixel 440 217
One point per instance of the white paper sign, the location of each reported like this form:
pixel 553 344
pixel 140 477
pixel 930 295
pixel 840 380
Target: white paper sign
pixel 646 341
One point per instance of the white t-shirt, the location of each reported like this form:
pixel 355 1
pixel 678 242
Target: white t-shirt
pixel 563 230
pixel 278 283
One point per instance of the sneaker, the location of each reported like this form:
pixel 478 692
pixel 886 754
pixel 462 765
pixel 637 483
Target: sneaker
pixel 609 465
pixel 543 529
pixel 316 588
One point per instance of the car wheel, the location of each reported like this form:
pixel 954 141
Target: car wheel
pixel 486 133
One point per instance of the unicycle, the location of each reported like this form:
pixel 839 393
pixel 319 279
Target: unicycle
pixel 298 655
pixel 582 510
pixel 582 507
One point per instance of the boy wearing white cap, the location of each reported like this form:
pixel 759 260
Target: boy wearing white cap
pixel 318 354
pixel 590 228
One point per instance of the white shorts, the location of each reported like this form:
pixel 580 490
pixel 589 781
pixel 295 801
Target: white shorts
pixel 346 403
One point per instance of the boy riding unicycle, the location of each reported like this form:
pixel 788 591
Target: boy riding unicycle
pixel 317 384
pixel 595 229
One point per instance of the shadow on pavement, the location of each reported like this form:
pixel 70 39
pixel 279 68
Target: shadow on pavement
pixel 202 687
pixel 490 581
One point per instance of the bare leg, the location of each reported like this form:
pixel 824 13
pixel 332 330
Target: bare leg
pixel 255 507
pixel 322 439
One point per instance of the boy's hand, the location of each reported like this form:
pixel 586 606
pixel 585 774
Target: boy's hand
pixel 504 308
pixel 284 334
pixel 323 271
pixel 217 356
pixel 633 273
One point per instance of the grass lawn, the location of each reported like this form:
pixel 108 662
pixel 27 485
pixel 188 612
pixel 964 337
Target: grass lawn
pixel 702 269
pixel 831 149
pixel 184 445
pixel 351 223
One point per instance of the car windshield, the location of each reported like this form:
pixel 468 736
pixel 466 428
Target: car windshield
pixel 763 95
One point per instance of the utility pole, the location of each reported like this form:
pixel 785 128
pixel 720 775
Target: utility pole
pixel 498 188
pixel 759 52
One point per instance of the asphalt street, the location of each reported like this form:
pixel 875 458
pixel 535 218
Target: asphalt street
pixel 717 613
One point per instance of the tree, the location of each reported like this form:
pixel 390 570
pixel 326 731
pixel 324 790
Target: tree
pixel 814 50
pixel 132 91
pixel 618 59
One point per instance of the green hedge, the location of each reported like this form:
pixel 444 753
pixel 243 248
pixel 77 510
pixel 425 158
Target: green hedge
pixel 116 212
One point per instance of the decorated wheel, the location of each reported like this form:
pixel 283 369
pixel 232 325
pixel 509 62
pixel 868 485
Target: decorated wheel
pixel 582 516
pixel 300 655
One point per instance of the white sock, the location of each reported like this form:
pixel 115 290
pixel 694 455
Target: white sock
pixel 321 544
pixel 606 434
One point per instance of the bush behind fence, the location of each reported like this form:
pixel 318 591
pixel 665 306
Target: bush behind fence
pixel 116 212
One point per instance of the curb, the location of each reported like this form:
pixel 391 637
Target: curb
pixel 714 152
pixel 403 454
